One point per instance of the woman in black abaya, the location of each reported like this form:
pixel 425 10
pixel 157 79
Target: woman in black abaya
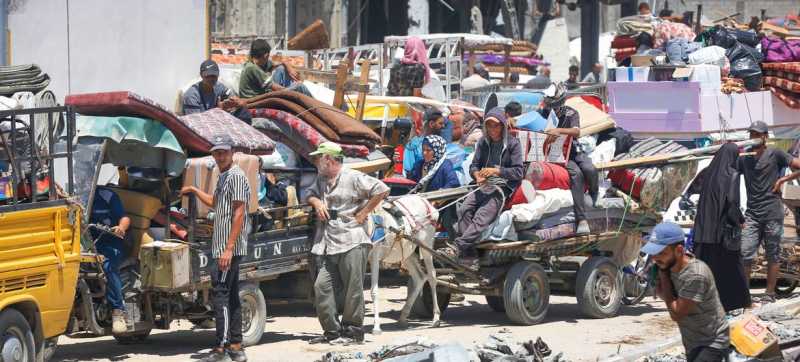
pixel 717 227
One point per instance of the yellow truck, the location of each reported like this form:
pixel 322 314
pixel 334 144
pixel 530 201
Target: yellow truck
pixel 40 250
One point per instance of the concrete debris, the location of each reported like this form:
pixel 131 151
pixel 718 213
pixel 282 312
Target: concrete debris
pixel 343 357
pixel 452 352
pixel 402 347
pixel 665 358
pixel 503 348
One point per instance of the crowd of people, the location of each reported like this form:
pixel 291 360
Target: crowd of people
pixel 698 286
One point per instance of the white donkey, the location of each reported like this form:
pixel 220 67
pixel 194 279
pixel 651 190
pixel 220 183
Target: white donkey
pixel 409 217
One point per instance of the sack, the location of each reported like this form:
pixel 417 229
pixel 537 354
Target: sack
pixel 745 65
pixel 777 50
pixel 723 38
pixel 709 55
pixel 749 38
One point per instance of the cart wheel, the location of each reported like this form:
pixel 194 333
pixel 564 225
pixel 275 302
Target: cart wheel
pixel 634 286
pixel 254 314
pixel 423 306
pixel 599 288
pixel 496 303
pixel 133 337
pixel 16 338
pixel 786 287
pixel 526 293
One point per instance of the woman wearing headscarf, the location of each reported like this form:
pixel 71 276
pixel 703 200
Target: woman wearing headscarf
pixel 409 76
pixel 434 171
pixel 717 226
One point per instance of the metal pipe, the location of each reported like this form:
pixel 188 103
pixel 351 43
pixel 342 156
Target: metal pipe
pixel 3 37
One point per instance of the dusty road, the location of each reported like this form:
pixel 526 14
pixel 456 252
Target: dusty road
pixel 472 321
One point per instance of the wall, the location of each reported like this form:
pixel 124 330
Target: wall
pixel 248 18
pixel 150 47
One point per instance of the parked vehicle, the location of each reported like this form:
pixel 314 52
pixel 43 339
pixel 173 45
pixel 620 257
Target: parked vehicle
pixel 40 231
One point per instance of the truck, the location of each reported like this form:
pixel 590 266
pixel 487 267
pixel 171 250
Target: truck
pixel 40 225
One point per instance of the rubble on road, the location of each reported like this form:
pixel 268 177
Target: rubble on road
pixel 665 358
pixel 500 347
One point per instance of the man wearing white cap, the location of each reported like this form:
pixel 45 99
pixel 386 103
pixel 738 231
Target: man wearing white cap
pixel 687 287
pixel 343 199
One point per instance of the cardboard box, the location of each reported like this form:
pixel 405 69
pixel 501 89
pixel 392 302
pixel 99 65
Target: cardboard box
pixel 641 60
pixel 752 338
pixel 165 265
pixel 632 74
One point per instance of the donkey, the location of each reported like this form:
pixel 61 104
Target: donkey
pixel 408 218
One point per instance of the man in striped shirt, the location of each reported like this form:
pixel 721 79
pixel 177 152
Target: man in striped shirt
pixel 228 246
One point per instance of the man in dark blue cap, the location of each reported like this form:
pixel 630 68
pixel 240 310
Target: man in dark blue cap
pixel 209 93
pixel 228 246
pixel 764 216
pixel 687 287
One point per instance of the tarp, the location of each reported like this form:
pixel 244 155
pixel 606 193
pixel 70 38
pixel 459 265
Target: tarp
pixel 135 142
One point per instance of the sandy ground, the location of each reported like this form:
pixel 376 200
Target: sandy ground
pixel 471 321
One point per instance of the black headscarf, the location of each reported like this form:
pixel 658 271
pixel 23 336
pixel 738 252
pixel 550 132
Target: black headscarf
pixel 718 186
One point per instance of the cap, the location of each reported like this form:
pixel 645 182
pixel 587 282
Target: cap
pixel 432 113
pixel 209 67
pixel 221 142
pixel 663 235
pixel 328 148
pixel 758 126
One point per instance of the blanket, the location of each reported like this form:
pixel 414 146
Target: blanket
pixel 214 122
pixel 287 128
pixel 346 128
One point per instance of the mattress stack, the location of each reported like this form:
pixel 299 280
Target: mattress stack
pixel 306 122
pixel 194 132
pixel 783 79
pixel 22 78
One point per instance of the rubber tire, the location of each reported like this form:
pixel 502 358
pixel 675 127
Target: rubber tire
pixel 11 318
pixel 788 288
pixel 423 306
pixel 585 288
pixel 496 303
pixel 133 337
pixel 514 288
pixel 259 321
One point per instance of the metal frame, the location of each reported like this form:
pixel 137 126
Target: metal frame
pixel 332 57
pixel 39 159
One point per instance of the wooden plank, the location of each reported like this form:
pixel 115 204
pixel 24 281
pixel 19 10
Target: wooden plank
pixel 656 159
pixel 362 96
pixel 341 78
pixel 502 246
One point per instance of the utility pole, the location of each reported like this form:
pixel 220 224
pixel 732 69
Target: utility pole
pixel 590 34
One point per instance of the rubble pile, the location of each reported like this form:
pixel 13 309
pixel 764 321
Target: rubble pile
pixel 498 348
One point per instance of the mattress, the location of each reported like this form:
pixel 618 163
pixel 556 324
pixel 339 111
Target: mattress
pixel 793 67
pixel 132 104
pixel 783 74
pixel 215 122
pixel 343 128
pixel 782 83
pixel 561 225
pixel 790 99
pixel 287 128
